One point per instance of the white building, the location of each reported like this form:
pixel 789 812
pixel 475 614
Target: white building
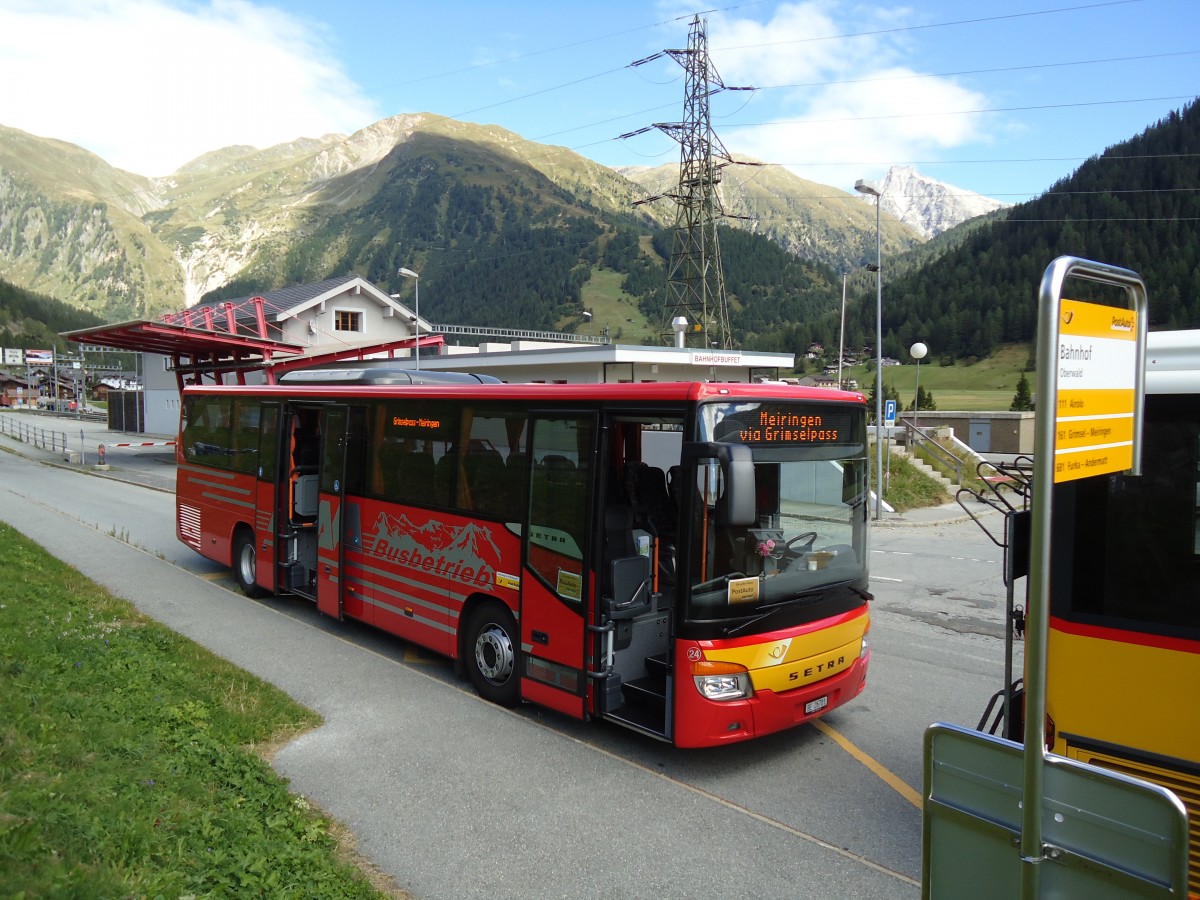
pixel 349 318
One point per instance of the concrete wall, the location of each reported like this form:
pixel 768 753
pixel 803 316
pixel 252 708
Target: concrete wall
pixel 985 432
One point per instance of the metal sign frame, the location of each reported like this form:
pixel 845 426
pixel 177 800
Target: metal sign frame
pixel 1033 849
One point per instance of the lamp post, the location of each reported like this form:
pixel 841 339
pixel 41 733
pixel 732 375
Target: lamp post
pixel 865 187
pixel 409 273
pixel 842 337
pixel 918 351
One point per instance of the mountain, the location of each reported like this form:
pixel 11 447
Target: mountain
pixel 31 321
pixel 1133 206
pixel 458 201
pixel 507 232
pixel 71 227
pixel 814 221
pixel 927 205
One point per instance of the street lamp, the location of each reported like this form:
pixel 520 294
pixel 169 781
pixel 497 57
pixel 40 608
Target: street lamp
pixel 865 187
pixel 918 351
pixel 842 337
pixel 409 273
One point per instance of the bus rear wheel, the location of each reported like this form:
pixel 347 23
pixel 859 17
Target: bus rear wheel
pixel 245 563
pixel 491 654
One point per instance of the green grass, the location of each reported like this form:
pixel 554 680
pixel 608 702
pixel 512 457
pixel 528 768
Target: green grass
pixel 907 488
pixel 988 384
pixel 127 763
pixel 612 307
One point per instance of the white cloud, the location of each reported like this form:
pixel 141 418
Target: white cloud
pixel 830 103
pixel 148 85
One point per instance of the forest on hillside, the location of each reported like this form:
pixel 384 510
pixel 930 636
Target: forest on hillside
pixel 1137 206
pixel 30 321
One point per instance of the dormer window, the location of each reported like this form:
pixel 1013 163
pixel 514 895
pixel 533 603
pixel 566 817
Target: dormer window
pixel 347 320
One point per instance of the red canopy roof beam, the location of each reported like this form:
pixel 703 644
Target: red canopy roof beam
pixel 259 318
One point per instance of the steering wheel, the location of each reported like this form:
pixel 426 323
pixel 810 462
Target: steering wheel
pixel 808 538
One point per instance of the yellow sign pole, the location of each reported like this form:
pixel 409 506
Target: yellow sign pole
pixel 1091 383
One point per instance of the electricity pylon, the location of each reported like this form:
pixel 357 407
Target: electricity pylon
pixel 695 278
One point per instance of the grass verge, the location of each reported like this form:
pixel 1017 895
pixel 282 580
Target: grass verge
pixel 909 488
pixel 127 763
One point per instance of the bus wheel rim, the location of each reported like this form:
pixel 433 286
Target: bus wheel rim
pixel 494 654
pixel 247 563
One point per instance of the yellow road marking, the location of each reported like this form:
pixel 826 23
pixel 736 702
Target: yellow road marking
pixel 215 576
pixel 416 654
pixel 889 778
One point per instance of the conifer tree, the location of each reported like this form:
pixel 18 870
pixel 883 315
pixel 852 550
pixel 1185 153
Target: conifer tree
pixel 1022 399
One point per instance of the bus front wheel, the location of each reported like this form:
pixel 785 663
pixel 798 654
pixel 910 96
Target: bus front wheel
pixel 491 654
pixel 245 563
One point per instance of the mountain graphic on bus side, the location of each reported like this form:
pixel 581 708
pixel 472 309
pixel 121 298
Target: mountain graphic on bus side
pixel 467 553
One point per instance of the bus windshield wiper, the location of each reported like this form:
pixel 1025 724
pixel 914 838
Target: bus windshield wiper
pixel 771 608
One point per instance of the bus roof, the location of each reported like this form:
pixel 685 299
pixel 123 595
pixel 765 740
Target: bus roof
pixel 673 391
pixel 1173 362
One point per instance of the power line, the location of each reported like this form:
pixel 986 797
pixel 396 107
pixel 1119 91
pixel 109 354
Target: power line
pixel 994 71
pixel 964 112
pixel 904 28
pixel 1014 159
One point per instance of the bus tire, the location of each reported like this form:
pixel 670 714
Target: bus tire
pixel 245 563
pixel 490 652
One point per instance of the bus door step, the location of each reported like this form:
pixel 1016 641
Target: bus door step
pixel 294 575
pixel 657 664
pixel 649 691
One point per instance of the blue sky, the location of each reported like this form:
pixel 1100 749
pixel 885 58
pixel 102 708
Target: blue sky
pixel 1000 98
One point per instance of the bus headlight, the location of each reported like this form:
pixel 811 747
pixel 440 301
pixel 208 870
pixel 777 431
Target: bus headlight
pixel 722 681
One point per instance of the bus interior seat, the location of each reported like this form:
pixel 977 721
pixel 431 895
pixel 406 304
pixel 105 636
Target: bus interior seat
pixel 658 508
pixel 415 478
pixel 618 540
pixel 445 480
pixel 489 486
pixel 657 512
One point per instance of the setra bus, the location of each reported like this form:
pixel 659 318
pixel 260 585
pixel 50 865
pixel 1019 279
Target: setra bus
pixel 1123 649
pixel 686 559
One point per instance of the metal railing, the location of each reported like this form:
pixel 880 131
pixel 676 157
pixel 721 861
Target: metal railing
pixel 27 433
pixel 917 437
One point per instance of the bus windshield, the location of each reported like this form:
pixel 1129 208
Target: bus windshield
pixel 807 545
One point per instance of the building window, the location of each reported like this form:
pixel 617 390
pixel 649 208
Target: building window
pixel 347 320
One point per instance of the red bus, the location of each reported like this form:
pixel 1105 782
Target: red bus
pixel 686 559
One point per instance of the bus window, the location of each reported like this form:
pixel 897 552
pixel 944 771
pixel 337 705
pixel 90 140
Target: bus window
pixel 244 448
pixel 558 502
pixel 206 436
pixel 490 439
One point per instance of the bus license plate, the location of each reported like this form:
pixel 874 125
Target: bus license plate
pixel 817 705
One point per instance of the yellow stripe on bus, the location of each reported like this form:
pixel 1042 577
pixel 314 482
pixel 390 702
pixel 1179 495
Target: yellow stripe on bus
pixel 791 650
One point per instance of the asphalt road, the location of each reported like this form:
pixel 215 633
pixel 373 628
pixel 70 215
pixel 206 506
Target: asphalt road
pixel 455 797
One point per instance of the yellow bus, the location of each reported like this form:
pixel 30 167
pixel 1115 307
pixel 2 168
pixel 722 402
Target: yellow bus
pixel 1123 651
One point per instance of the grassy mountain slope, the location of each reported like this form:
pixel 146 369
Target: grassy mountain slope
pixel 814 221
pixel 71 227
pixel 240 219
pixel 1134 206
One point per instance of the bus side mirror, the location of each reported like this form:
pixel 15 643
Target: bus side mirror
pixel 737 505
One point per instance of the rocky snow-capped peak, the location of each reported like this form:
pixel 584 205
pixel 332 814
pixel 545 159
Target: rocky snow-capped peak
pixel 927 205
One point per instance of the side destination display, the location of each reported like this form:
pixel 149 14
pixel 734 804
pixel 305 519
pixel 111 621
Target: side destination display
pixel 1096 370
